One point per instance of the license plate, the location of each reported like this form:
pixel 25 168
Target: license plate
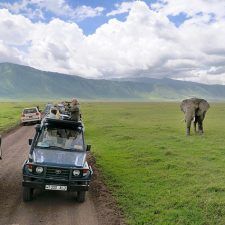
pixel 55 187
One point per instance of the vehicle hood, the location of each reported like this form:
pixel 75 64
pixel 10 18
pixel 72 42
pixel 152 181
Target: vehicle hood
pixel 59 158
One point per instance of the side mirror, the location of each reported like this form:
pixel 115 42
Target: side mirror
pixel 88 148
pixel 30 141
pixel 38 127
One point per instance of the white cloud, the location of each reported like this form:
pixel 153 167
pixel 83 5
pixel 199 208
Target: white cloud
pixel 35 9
pixel 82 12
pixel 191 7
pixel 15 29
pixel 10 54
pixel 147 43
pixel 123 7
pixel 15 7
pixel 56 45
pixel 23 7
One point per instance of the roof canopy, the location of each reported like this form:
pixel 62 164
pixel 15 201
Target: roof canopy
pixel 58 123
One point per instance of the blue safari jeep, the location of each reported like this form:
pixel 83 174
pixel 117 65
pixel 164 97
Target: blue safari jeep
pixel 57 159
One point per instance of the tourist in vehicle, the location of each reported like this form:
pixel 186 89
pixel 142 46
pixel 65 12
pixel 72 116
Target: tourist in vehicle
pixel 75 110
pixel 74 140
pixel 53 113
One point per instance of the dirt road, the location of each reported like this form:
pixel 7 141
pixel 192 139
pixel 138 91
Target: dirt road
pixel 47 208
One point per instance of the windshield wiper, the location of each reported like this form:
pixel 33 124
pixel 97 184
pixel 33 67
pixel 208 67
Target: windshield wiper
pixel 74 150
pixel 53 146
pixel 41 146
pixel 61 148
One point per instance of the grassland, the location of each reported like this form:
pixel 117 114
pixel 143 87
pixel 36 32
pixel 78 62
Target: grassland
pixel 156 173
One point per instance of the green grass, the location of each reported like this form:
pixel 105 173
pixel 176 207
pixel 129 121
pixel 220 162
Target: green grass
pixel 156 173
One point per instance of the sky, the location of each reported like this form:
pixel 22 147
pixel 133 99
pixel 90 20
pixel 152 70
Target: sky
pixel 176 39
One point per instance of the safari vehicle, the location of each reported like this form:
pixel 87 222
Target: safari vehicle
pixel 47 108
pixel 30 115
pixel 57 159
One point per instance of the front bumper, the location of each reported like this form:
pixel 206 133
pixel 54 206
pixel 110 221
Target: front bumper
pixel 73 183
pixel 30 120
pixel 81 186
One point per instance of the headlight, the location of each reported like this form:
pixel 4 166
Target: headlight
pixel 76 173
pixel 39 169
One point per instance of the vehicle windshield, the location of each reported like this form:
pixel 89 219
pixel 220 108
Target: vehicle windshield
pixel 62 139
pixel 31 110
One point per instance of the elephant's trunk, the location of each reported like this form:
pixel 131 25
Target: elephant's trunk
pixel 188 122
pixel 189 116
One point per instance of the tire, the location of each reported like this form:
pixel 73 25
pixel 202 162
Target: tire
pixel 27 194
pixel 81 196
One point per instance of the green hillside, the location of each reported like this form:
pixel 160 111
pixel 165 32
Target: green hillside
pixel 22 82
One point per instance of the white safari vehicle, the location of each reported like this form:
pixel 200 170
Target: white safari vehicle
pixel 30 115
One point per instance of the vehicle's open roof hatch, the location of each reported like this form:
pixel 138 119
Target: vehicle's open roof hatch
pixel 67 124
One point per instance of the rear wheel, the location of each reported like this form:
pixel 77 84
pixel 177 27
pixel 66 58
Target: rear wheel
pixel 27 194
pixel 81 196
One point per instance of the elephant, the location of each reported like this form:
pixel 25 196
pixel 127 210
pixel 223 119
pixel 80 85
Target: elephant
pixel 194 110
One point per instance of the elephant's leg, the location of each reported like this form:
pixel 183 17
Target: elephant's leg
pixel 200 127
pixel 188 131
pixel 195 122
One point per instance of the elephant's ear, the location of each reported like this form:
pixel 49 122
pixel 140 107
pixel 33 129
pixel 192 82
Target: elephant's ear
pixel 183 105
pixel 203 107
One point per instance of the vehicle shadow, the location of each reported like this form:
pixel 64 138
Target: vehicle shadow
pixel 30 124
pixel 52 208
pixel 54 196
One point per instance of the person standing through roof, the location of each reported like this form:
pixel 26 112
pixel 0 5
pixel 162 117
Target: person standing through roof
pixel 75 110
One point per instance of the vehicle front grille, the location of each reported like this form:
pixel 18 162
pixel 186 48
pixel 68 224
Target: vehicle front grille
pixel 57 173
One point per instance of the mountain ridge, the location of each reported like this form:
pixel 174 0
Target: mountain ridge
pixel 24 82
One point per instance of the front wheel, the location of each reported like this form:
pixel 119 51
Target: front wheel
pixel 81 196
pixel 27 194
